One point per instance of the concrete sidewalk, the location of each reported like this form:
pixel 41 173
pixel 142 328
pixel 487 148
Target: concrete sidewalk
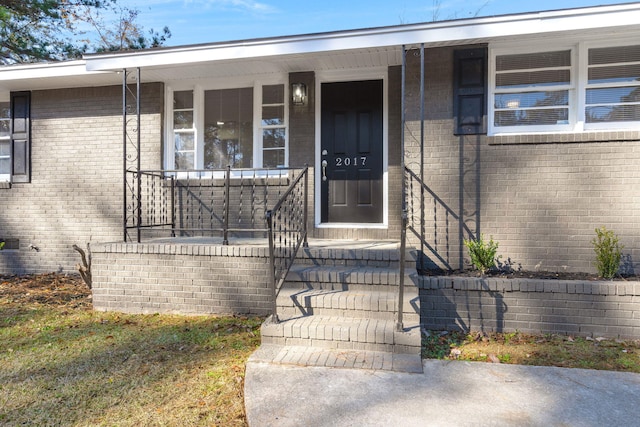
pixel 446 394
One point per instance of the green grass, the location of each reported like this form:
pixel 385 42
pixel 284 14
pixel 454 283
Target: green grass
pixel 539 350
pixel 64 364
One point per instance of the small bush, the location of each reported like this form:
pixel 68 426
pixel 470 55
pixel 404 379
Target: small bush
pixel 1 246
pixel 482 253
pixel 608 252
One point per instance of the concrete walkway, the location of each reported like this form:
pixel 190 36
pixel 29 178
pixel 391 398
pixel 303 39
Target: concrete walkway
pixel 446 394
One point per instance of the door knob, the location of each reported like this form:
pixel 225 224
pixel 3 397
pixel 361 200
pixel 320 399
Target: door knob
pixel 324 170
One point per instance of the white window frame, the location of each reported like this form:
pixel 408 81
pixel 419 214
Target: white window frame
pixel 584 68
pixel 571 88
pixel 258 127
pixel 577 89
pixel 199 90
pixel 6 177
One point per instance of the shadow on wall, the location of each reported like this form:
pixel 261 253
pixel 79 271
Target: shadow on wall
pixel 479 309
pixel 439 228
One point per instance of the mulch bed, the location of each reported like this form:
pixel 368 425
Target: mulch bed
pixel 45 289
pixel 546 275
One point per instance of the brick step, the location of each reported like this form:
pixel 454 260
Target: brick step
pixel 344 277
pixel 351 303
pixel 343 333
pixel 379 254
pixel 336 358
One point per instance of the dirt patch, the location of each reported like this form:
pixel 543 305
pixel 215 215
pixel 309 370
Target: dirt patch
pixel 45 289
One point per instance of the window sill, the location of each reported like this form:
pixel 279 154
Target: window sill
pixel 565 138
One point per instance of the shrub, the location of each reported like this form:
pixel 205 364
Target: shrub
pixel 1 246
pixel 482 253
pixel 608 252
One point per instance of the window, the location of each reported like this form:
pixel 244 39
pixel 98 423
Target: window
pixel 184 130
pixel 532 90
pixel 5 141
pixel 571 89
pixel 273 126
pixel 613 85
pixel 228 128
pixel 242 127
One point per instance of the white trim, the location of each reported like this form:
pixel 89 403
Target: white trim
pixel 577 89
pixel 380 73
pixel 199 88
pixel 449 32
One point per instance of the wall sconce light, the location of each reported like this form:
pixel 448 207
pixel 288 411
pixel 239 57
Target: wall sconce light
pixel 298 93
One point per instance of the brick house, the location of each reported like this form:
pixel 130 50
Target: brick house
pixel 525 127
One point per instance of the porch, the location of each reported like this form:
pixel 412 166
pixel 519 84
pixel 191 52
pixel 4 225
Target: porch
pixel 242 240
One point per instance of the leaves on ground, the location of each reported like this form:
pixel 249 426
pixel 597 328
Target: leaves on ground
pixel 532 349
pixel 61 363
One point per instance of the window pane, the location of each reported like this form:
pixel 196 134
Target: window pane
pixel 184 142
pixel 228 136
pixel 273 138
pixel 272 116
pixel 183 119
pixel 535 78
pixel 5 116
pixel 613 95
pixel 5 160
pixel 533 60
pixel 273 158
pixel 183 100
pixel 610 55
pixel 620 74
pixel 5 166
pixel 532 99
pixel 273 94
pixel 613 113
pixel 184 161
pixel 532 117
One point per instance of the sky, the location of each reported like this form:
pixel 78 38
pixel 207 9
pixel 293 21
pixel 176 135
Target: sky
pixel 208 21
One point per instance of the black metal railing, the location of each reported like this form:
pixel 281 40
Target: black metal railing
pixel 218 203
pixel 287 224
pixel 432 222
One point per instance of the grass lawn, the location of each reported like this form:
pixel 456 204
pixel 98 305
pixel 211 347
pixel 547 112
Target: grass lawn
pixel 63 364
pixel 539 350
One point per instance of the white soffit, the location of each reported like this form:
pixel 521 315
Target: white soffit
pixel 432 34
pixel 54 74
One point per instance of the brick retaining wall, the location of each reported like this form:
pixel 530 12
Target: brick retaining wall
pixel 586 308
pixel 188 279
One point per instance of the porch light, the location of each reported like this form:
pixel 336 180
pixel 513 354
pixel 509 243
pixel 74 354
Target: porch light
pixel 298 93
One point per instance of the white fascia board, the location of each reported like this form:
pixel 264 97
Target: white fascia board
pixel 541 23
pixel 45 70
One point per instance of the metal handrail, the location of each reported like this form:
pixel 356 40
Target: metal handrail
pixel 203 201
pixel 281 258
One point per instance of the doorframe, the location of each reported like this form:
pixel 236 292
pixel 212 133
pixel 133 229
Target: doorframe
pixel 379 73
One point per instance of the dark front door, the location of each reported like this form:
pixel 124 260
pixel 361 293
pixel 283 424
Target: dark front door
pixel 351 152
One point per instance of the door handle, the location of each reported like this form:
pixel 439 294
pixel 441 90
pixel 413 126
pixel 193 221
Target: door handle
pixel 324 170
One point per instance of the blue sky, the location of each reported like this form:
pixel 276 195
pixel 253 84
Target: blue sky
pixel 204 21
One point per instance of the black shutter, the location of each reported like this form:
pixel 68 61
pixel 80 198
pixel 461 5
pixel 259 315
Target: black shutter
pixel 20 136
pixel 470 91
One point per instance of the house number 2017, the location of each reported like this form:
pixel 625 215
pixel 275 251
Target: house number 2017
pixel 351 161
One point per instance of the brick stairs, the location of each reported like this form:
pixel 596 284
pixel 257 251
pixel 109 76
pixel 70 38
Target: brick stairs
pixel 337 308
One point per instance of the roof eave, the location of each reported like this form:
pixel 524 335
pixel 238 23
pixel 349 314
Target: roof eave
pixel 435 33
